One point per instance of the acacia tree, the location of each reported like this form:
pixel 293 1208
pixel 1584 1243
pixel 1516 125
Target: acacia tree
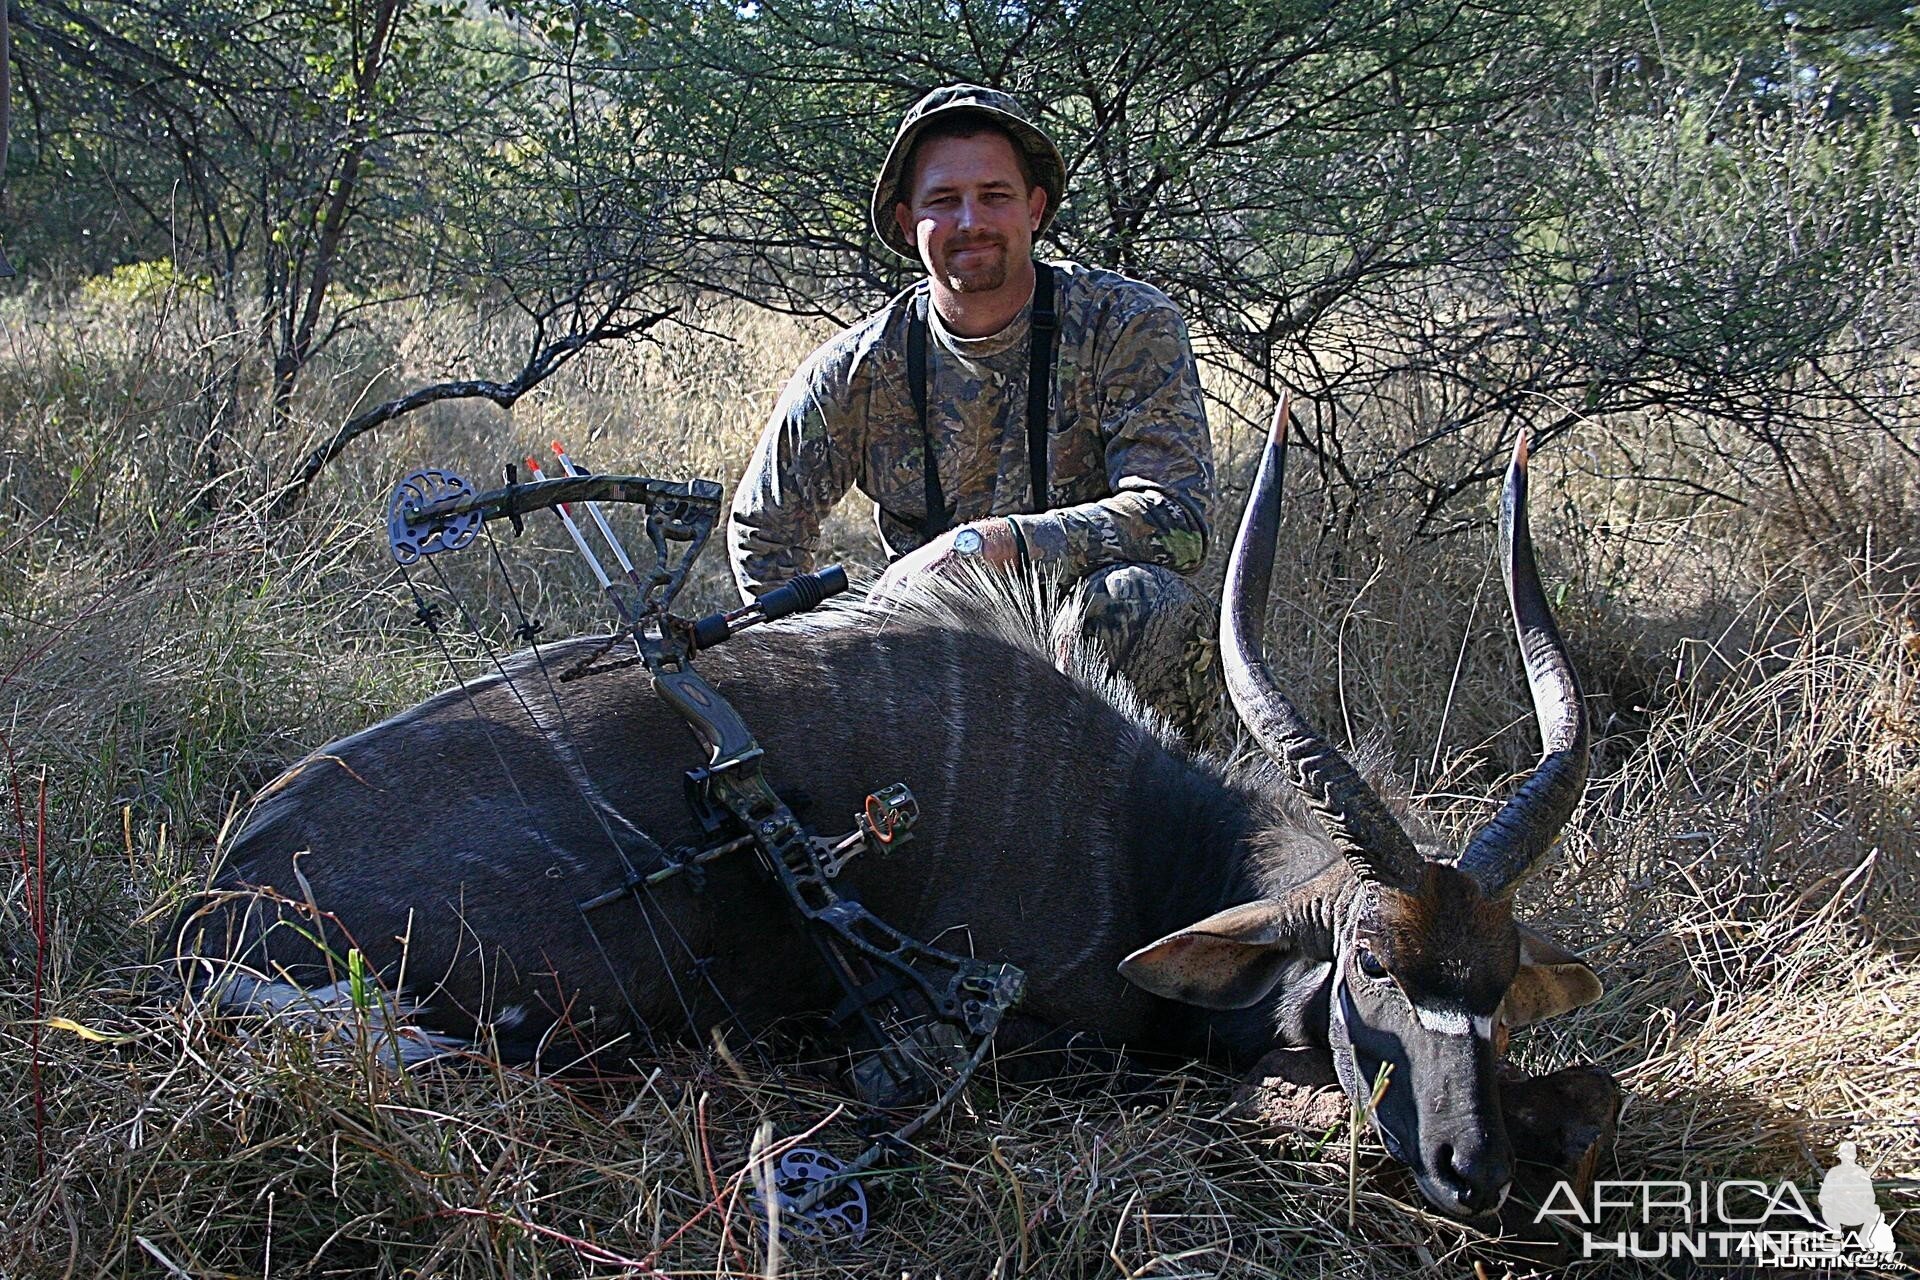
pixel 564 223
pixel 400 147
pixel 1456 220
pixel 1426 214
pixel 305 263
pixel 247 143
pixel 1295 174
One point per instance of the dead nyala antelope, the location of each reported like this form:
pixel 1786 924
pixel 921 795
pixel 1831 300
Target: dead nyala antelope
pixel 1155 900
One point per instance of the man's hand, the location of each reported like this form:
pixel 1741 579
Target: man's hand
pixel 1000 547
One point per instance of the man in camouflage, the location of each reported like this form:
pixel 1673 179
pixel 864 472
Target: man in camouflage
pixel 966 186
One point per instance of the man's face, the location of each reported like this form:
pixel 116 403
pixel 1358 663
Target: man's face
pixel 970 211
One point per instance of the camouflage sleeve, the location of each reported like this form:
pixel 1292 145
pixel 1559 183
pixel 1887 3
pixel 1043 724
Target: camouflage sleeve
pixel 1159 461
pixel 805 462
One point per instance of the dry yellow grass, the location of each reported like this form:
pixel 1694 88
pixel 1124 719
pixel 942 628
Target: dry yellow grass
pixel 1743 872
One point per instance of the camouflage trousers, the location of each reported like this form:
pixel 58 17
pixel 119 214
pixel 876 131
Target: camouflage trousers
pixel 1162 635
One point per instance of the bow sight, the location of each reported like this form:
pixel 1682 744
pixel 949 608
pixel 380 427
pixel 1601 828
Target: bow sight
pixel 925 1017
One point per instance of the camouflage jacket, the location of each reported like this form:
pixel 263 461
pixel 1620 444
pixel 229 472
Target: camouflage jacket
pixel 1130 461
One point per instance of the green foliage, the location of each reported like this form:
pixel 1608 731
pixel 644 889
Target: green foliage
pixel 1732 248
pixel 1545 213
pixel 1552 212
pixel 142 282
pixel 1849 56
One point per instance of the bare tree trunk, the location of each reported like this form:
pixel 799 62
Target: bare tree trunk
pixel 292 358
pixel 6 119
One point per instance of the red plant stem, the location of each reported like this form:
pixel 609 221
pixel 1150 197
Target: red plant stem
pixel 38 909
pixel 683 1228
pixel 597 1253
pixel 33 888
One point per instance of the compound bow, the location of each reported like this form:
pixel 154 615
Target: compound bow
pixel 924 1017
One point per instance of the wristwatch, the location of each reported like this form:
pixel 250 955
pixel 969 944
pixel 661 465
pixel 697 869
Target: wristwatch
pixel 969 542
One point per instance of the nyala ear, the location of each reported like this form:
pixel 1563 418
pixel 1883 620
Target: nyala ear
pixel 1227 961
pixel 1551 981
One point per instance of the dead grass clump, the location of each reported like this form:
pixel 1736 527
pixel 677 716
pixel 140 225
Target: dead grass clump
pixel 1742 874
pixel 1747 879
pixel 216 1147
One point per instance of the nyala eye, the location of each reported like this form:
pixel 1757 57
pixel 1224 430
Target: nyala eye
pixel 1370 964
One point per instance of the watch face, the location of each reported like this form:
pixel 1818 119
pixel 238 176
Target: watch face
pixel 968 541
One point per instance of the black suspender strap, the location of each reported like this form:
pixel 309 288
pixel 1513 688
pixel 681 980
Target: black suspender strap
pixel 1046 329
pixel 1043 343
pixel 938 519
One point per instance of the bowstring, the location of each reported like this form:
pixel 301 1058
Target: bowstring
pixel 642 892
pixel 425 612
pixel 493 657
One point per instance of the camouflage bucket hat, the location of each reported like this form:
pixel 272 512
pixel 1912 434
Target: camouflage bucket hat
pixel 1049 170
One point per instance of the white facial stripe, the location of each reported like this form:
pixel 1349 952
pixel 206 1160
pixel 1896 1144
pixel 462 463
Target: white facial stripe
pixel 1445 1022
pixel 1453 1022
